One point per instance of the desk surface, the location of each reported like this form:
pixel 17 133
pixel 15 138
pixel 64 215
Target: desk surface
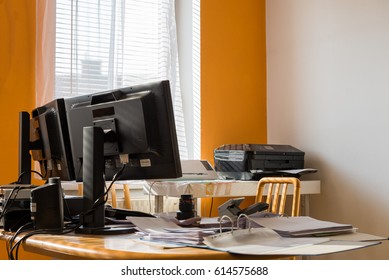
pixel 118 247
pixel 128 247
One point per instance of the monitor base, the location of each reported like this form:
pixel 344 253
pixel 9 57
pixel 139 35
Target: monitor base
pixel 105 230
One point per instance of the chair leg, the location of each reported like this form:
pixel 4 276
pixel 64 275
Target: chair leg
pixel 127 199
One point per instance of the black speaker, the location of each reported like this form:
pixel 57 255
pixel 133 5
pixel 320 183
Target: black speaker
pixel 47 206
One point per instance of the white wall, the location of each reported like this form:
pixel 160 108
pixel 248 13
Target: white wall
pixel 328 94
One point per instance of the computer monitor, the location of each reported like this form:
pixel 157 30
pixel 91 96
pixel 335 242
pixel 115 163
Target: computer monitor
pixel 44 134
pixel 139 127
pixel 131 128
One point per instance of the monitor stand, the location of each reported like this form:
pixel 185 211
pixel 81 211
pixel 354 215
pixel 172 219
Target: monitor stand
pixel 93 219
pixel 24 149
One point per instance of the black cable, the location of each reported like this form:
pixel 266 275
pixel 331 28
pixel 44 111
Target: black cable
pixel 104 197
pixel 150 189
pixel 9 201
pixel 27 172
pixel 12 196
pixel 13 248
pixel 9 245
pixel 210 207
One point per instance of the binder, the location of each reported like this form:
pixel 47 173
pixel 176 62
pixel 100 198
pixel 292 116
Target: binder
pixel 266 241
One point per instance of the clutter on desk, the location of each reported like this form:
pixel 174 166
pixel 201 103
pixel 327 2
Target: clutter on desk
pixel 260 234
pixel 254 161
pixel 267 241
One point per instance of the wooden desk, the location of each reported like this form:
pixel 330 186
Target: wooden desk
pixel 116 247
pixel 127 247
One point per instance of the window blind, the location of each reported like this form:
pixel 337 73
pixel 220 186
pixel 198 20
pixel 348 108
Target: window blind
pixel 103 45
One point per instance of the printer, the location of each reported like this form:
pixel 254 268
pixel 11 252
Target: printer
pixel 254 161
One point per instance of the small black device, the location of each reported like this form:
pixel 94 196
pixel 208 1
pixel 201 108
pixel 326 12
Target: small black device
pixel 47 206
pixel 186 207
pixel 232 210
pixel 15 206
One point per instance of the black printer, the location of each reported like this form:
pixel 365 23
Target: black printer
pixel 254 161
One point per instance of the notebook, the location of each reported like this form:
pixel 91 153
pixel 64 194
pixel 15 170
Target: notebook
pixel 197 170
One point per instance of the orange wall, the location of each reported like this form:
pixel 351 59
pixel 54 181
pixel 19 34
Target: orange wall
pixel 17 87
pixel 233 79
pixel 233 73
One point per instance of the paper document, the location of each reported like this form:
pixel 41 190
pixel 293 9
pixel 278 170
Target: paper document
pixel 159 229
pixel 301 226
pixel 298 172
pixel 258 241
pixel 264 241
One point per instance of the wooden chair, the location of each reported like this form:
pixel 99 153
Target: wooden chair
pixel 277 192
pixel 112 196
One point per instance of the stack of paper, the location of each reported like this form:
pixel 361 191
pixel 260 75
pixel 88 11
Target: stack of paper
pixel 159 229
pixel 259 241
pixel 264 241
pixel 301 226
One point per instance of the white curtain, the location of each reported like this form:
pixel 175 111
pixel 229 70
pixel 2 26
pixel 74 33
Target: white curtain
pixel 107 44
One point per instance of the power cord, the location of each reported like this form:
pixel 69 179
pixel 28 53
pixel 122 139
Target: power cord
pixel 27 172
pixel 104 197
pixel 210 208
pixel 13 247
pixel 150 189
pixel 10 246
pixel 16 189
pixel 9 201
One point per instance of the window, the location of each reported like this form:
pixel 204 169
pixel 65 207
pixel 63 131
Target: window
pixel 101 45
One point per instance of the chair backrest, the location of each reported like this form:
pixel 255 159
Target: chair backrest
pixel 112 196
pixel 276 193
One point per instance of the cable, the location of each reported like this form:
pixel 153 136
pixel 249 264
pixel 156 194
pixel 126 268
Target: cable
pixel 210 207
pixel 9 201
pixel 151 187
pixel 13 250
pixel 10 246
pixel 27 172
pixel 13 247
pixel 104 197
pixel 114 179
